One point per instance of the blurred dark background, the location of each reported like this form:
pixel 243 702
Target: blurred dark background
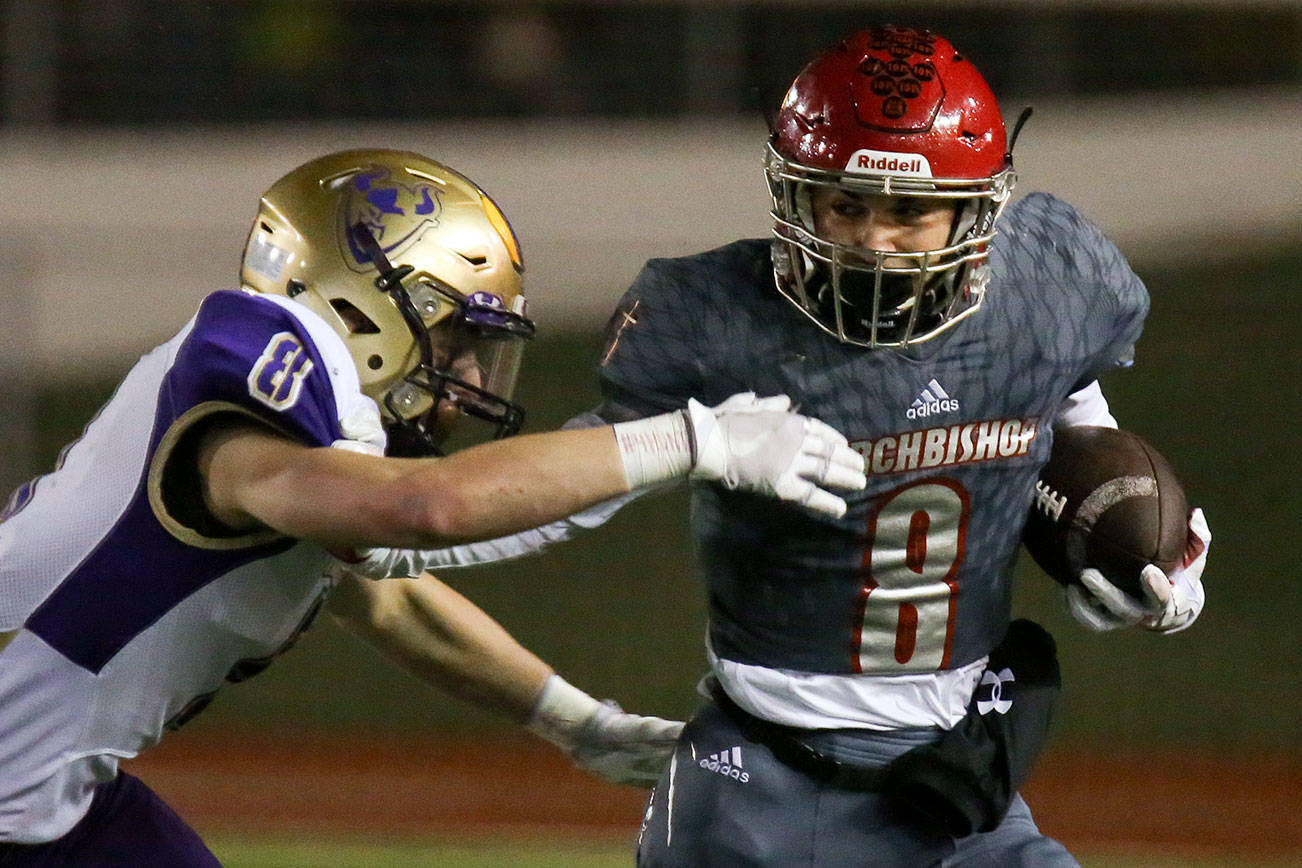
pixel 620 612
pixel 163 62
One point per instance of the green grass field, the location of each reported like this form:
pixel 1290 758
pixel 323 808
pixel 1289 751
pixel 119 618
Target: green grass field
pixel 260 851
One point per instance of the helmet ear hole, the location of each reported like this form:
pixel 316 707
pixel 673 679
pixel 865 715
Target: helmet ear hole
pixel 375 362
pixel 358 323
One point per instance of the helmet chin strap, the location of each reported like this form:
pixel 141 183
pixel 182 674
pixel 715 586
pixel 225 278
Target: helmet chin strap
pixel 389 281
pixel 407 437
pixel 1017 131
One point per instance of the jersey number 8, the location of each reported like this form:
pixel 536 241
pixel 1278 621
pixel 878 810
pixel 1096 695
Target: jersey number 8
pixel 905 616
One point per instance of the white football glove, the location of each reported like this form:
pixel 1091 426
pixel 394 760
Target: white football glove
pixel 363 432
pixel 1171 602
pixel 758 444
pixel 601 738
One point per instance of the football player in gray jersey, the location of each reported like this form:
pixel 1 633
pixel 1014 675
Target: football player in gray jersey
pixel 869 702
pixel 242 472
pixel 886 304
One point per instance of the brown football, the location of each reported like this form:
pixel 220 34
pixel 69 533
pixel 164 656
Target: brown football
pixel 1108 500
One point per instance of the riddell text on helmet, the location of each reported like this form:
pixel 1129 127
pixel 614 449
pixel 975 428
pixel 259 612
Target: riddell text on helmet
pixel 954 444
pixel 867 161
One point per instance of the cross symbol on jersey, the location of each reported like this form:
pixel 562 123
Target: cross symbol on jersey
pixel 628 320
pixel 996 702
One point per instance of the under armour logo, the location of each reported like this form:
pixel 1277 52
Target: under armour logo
pixel 996 701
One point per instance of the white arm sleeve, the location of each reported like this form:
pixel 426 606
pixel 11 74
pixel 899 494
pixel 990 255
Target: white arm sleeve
pixel 531 541
pixel 383 563
pixel 1085 406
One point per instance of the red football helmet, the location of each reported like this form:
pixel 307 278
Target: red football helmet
pixel 889 111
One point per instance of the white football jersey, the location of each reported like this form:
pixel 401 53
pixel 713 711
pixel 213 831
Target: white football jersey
pixel 128 605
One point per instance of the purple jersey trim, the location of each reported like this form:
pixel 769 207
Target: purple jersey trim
pixel 139 571
pixel 137 574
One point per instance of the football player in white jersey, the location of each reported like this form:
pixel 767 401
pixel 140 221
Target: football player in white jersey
pixel 282 438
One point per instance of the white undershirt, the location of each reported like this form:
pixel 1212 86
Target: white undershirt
pixel 820 700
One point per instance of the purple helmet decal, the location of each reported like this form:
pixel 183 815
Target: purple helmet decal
pixel 482 308
pixel 396 214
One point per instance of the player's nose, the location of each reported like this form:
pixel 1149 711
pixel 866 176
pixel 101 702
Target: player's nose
pixel 874 232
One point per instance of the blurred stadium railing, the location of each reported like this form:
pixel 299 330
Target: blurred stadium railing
pixel 135 134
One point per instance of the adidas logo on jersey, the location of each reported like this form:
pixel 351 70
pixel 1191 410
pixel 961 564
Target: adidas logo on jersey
pixel 727 763
pixel 932 399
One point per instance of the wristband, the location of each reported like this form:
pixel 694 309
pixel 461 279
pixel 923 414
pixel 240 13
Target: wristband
pixel 562 709
pixel 654 449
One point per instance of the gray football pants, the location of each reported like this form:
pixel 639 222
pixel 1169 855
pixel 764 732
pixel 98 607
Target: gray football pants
pixel 726 801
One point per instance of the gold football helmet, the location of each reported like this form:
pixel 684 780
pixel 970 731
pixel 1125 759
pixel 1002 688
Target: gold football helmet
pixel 417 270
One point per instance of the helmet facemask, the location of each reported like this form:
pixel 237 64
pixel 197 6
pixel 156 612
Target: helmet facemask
pixel 877 298
pixel 470 349
pixel 888 114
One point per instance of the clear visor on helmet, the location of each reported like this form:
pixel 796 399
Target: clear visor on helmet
pixel 470 362
pixel 873 297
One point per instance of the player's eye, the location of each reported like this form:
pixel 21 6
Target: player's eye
pixel 910 210
pixel 849 209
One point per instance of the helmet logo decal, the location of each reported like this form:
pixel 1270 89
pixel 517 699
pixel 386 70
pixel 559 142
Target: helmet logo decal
pixel 485 309
pixel 866 161
pixel 897 88
pixel 396 214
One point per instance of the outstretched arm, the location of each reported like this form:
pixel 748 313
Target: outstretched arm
pixel 345 499
pixel 382 562
pixel 340 498
pixel 449 642
pixel 444 639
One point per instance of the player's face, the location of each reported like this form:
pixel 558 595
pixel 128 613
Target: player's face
pixel 881 223
pixel 465 367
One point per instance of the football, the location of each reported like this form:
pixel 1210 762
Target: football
pixel 1108 500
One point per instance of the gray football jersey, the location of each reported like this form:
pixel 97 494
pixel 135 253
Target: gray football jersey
pixel 916 576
